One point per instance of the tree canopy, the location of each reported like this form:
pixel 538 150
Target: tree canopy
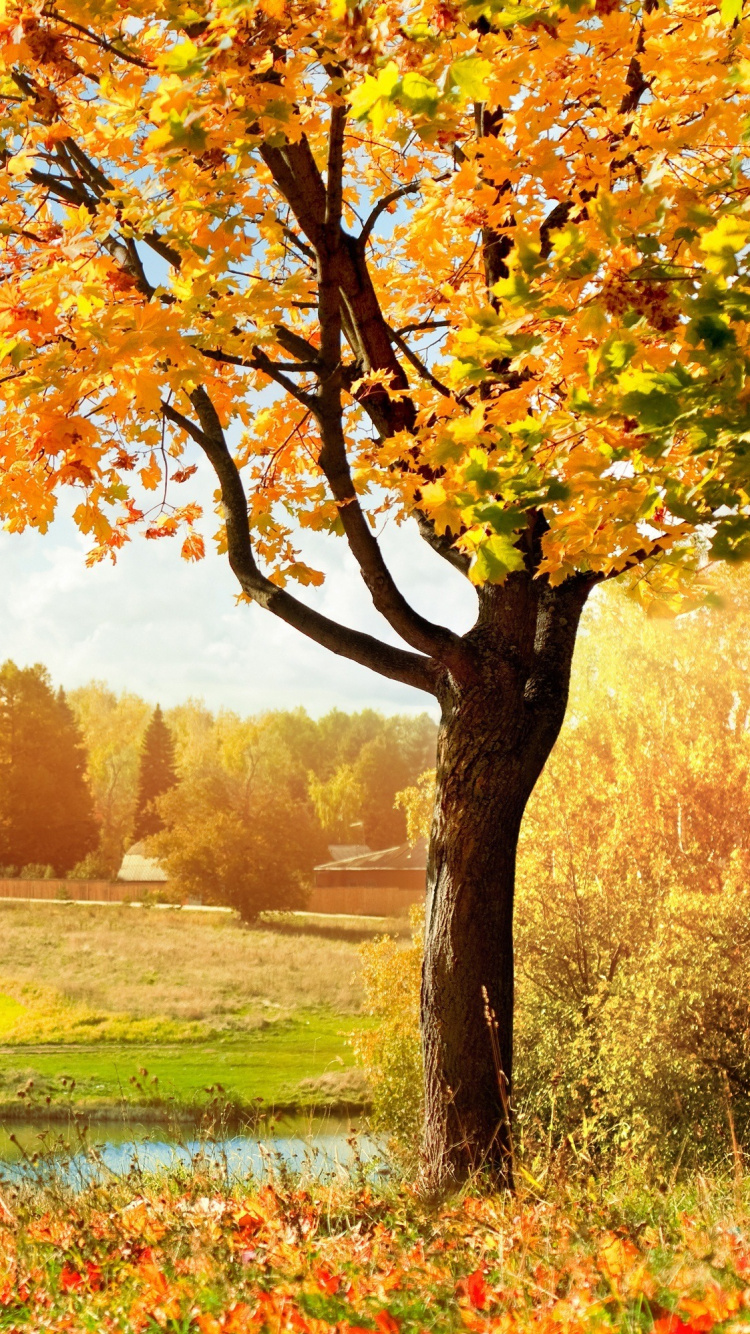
pixel 484 263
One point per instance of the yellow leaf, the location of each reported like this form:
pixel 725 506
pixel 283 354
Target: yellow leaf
pixel 151 474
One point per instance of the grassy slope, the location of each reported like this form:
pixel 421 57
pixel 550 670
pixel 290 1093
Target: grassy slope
pixel 94 994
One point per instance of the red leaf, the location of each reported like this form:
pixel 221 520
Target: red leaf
pixel 476 1289
pixel 70 1279
pixel 93 1275
pixel 671 1324
pixel 326 1281
pixel 182 474
pixel 386 1323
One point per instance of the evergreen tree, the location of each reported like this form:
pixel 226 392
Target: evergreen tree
pixel 46 807
pixel 156 775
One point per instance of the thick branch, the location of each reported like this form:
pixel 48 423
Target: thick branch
pixel 327 406
pixel 395 663
pixel 419 366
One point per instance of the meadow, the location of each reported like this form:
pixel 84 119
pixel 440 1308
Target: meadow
pixel 91 997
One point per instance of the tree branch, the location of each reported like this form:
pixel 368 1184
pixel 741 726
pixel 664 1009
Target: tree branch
pixel 98 41
pixel 394 663
pixel 381 207
pixel 419 365
pixel 327 406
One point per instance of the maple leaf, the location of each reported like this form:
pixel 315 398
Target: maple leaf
pixel 183 474
pixel 151 475
pixel 193 547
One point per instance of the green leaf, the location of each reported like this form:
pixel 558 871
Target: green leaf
pixel 722 244
pixel 618 352
pixel 469 75
pixel 732 540
pixel 375 91
pixel 186 59
pixel 419 93
pixel 504 521
pixel 485 479
pixel 651 410
pixel 495 559
pixel 712 332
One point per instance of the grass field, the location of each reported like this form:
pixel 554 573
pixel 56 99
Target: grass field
pixel 95 994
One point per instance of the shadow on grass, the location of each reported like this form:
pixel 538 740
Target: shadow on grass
pixel 332 927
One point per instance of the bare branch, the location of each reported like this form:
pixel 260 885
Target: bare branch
pixel 419 365
pixel 412 188
pixel 395 663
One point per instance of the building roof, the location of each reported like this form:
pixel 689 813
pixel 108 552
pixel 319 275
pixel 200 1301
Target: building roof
pixel 343 852
pixel 406 857
pixel 136 865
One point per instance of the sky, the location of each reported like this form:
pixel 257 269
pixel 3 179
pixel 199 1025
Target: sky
pixel 168 630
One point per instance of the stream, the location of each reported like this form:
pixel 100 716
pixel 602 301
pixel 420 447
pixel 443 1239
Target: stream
pixel 314 1146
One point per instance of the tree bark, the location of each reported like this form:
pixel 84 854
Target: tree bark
pixel 497 730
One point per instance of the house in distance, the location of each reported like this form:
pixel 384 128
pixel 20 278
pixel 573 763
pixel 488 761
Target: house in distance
pixel 372 884
pixel 355 882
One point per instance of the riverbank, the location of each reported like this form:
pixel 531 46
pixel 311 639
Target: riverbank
pixel 301 1063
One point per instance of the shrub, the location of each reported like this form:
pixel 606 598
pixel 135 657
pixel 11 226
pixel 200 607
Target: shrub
pixel 391 1053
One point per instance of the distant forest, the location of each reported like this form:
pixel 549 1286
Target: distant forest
pixel 241 806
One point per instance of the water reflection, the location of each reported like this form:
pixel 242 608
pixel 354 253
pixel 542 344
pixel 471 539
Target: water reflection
pixel 321 1147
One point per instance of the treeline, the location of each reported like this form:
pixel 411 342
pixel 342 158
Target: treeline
pixel 238 809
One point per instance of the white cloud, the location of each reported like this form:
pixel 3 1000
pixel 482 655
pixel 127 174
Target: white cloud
pixel 167 629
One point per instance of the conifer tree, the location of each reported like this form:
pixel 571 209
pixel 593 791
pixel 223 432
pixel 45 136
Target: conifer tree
pixel 156 775
pixel 46 808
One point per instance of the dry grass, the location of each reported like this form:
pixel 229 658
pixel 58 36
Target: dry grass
pixel 182 966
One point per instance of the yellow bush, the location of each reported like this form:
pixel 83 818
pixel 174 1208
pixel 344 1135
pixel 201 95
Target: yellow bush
pixel 391 1053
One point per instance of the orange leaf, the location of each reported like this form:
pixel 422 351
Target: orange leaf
pixel 386 1323
pixel 193 548
pixel 151 474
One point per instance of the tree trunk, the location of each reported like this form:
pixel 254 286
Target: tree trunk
pixel 498 727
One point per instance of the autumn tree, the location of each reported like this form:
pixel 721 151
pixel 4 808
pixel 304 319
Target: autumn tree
pixel 46 809
pixel 156 775
pixel 233 830
pixel 362 761
pixel 478 264
pixel 632 905
pixel 112 727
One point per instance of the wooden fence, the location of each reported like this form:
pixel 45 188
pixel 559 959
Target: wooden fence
pixel 79 891
pixel 364 900
pixel 352 900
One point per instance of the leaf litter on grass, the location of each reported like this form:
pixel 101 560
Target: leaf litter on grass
pixel 185 1254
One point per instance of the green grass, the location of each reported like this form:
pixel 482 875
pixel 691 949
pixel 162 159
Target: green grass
pixel 93 994
pixel 305 1061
